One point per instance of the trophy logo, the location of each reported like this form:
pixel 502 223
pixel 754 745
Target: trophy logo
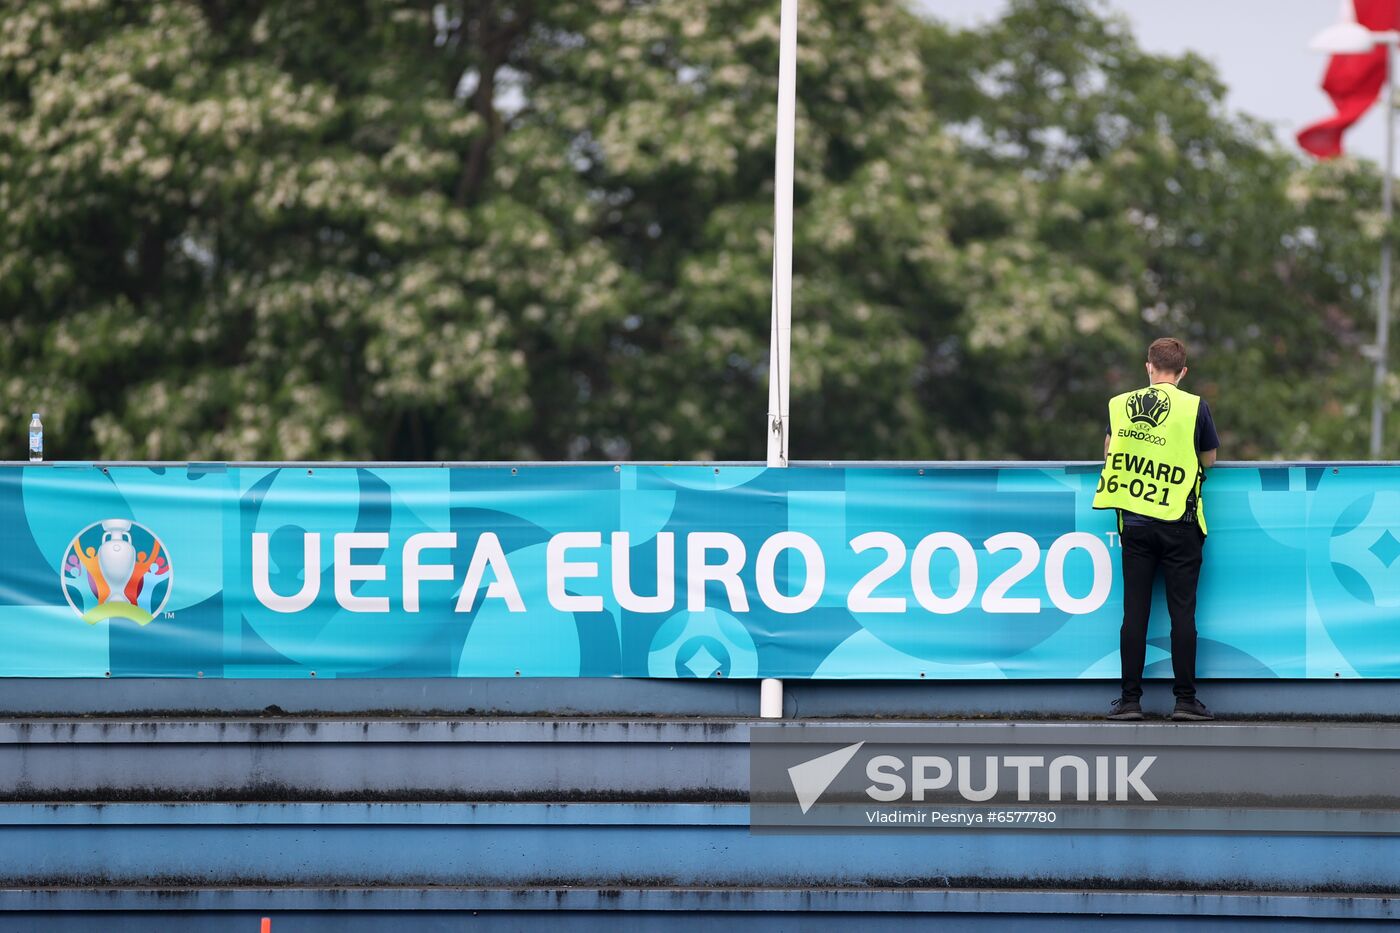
pixel 117 569
pixel 1149 407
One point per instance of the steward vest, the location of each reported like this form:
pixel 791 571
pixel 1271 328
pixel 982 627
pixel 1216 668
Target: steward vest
pixel 1152 467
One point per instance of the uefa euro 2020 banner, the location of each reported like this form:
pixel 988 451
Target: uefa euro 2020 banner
pixel 671 571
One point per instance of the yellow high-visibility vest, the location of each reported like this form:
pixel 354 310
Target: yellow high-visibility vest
pixel 1152 466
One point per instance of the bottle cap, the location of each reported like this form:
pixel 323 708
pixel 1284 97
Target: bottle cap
pixel 36 414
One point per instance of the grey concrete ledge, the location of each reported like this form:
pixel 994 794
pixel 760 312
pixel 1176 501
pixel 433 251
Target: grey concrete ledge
pixel 1361 700
pixel 638 846
pixel 848 900
pixel 608 731
pixel 1313 766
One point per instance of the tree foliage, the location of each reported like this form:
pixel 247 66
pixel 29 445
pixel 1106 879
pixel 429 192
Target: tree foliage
pixel 495 229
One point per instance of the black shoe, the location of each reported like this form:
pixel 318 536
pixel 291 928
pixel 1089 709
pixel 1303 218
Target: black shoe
pixel 1192 710
pixel 1124 709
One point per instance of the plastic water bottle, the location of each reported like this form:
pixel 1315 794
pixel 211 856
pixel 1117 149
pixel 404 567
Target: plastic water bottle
pixel 36 439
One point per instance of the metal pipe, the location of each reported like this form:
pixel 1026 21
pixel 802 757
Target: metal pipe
pixel 928 465
pixel 781 336
pixel 931 466
pixel 770 704
pixel 1378 397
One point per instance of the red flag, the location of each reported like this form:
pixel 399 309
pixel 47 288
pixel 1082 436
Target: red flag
pixel 1352 81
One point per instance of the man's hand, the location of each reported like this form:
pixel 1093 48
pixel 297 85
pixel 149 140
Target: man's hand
pixel 1208 458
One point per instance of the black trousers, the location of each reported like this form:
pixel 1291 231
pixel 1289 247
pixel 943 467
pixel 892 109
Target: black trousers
pixel 1175 548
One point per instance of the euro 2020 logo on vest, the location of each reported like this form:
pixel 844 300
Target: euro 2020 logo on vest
pixel 1149 407
pixel 117 569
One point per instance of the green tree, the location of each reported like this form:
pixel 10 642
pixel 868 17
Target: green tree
pixel 1262 262
pixel 542 229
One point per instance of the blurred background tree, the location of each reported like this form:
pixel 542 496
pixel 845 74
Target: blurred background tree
pixel 501 229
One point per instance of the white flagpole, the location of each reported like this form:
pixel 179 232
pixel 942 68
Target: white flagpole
pixel 781 341
pixel 1378 396
pixel 779 354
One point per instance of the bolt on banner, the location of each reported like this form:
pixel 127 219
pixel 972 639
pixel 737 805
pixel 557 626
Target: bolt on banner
pixel 1251 777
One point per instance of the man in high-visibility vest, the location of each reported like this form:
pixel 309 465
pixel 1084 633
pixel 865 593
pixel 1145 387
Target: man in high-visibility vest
pixel 1160 442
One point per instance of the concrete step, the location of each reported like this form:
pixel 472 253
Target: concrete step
pixel 238 909
pixel 405 759
pixel 643 845
pixel 1333 699
pixel 1322 767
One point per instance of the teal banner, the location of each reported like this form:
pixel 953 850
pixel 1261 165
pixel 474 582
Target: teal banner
pixel 937 572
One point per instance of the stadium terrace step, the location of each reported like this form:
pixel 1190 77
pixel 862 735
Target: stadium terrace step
pixel 1326 700
pixel 648 760
pixel 634 845
pixel 346 820
pixel 303 909
pixel 403 759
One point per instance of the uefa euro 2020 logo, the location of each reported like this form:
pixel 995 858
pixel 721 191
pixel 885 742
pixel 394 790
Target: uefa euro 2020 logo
pixel 117 569
pixel 1149 407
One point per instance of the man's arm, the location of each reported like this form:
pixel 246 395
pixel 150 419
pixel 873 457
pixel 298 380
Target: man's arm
pixel 1207 441
pixel 1106 439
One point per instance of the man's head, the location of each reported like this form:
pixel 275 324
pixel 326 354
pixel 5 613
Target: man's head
pixel 1166 360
